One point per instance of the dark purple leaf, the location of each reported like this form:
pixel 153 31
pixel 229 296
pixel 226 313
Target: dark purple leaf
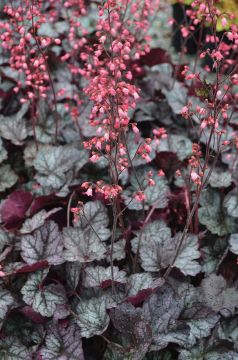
pixel 135 327
pixel 155 56
pixel 140 297
pixel 62 343
pixel 32 267
pixel 33 315
pixel 13 209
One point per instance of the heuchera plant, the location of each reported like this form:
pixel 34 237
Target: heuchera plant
pixel 118 180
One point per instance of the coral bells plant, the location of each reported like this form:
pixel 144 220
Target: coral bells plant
pixel 110 88
pixel 26 48
pixel 118 180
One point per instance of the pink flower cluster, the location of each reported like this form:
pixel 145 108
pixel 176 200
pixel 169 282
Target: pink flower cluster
pixel 109 82
pixel 19 37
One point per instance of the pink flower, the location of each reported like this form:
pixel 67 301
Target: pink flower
pixel 203 124
pixel 234 79
pixel 195 178
pixel 151 182
pixel 185 112
pixel 75 210
pixel 202 55
pixel 139 196
pixel 2 273
pixel 135 128
pixel 184 31
pixel 160 173
pixel 85 185
pixel 217 55
pixel 89 192
pixel 102 39
pixel 223 22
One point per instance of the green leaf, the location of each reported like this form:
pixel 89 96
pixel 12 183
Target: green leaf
pixel 188 254
pixel 176 97
pixel 48 29
pixel 36 221
pixel 62 343
pixel 30 152
pixel 44 130
pixel 94 215
pixel 112 300
pixel 177 316
pixel 6 301
pixel 148 110
pixel 54 164
pixel 220 178
pixel 73 271
pixel 12 349
pixel 212 254
pixel 84 242
pixel 210 197
pixel 82 245
pixel 150 244
pixel 119 252
pixel 87 130
pixel 13 127
pixel 160 76
pixel 95 276
pixel 217 140
pixel 61 26
pixel 43 299
pixel 231 204
pixel 233 242
pixel 201 321
pixel 21 327
pixel 178 334
pixel 138 282
pixel 7 177
pixel 116 352
pixel 157 248
pixel 216 294
pixel 178 144
pixel 186 291
pixel 92 317
pixel 205 352
pixel 45 244
pixel 212 215
pixel 222 355
pixel 51 159
pixel 3 152
pixel 228 330
pixel 155 356
pixel 4 239
pixel 162 309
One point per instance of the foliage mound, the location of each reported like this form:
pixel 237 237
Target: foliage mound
pixel 118 181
